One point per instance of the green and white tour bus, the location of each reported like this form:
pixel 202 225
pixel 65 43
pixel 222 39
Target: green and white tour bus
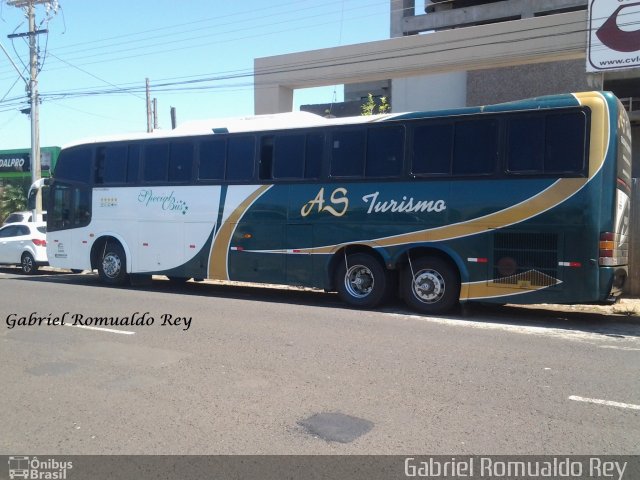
pixel 522 202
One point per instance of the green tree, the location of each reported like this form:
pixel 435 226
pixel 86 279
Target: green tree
pixel 13 199
pixel 371 106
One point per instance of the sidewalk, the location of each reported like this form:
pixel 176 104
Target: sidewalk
pixel 625 306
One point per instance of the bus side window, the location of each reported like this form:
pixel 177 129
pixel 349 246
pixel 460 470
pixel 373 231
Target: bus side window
pixel 133 164
pixel 565 142
pixel 385 151
pixel 75 165
pixel 181 162
pixel 314 155
pixel 475 150
pixel 111 164
pixel 240 158
pixel 347 153
pixel 289 157
pixel 155 162
pixel 525 144
pixel 432 148
pixel 266 157
pixel 212 155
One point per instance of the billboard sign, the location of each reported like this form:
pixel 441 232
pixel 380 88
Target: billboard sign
pixel 614 35
pixel 19 162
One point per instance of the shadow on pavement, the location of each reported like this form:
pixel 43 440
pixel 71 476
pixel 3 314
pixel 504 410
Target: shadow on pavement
pixel 603 323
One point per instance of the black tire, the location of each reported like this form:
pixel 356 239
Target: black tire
pixel 112 265
pixel 430 285
pixel 28 264
pixel 364 283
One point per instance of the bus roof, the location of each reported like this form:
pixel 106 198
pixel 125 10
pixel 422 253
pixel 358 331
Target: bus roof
pixel 290 120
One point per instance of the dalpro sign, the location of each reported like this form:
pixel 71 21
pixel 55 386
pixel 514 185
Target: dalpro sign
pixel 614 35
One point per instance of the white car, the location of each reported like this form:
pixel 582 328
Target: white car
pixel 26 216
pixel 24 244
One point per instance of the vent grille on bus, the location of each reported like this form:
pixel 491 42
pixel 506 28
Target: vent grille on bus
pixel 525 259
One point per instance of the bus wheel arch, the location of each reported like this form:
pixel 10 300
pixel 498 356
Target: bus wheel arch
pixel 430 280
pixel 359 274
pixel 110 258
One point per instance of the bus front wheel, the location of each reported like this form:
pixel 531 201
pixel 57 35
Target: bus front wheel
pixel 430 285
pixel 112 267
pixel 361 281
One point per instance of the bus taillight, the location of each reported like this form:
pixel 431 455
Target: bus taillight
pixel 611 252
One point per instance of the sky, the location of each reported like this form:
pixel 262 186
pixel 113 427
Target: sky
pixel 97 54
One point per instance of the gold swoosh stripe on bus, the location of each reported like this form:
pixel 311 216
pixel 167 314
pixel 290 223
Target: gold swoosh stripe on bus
pixel 558 192
pixel 484 289
pixel 218 260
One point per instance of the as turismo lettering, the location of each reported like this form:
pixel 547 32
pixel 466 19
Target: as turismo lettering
pixel 405 205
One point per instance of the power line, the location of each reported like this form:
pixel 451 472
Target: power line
pixel 335 61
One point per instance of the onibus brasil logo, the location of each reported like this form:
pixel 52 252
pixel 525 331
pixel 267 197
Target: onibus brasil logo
pixel 33 468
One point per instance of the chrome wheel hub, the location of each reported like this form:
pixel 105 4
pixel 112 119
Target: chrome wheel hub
pixel 111 265
pixel 359 281
pixel 428 286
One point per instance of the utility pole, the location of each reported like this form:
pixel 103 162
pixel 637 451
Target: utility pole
pixel 35 114
pixel 174 119
pixel 149 115
pixel 32 89
pixel 155 113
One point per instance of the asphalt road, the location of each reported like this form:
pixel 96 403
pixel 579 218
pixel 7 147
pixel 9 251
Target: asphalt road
pixel 268 371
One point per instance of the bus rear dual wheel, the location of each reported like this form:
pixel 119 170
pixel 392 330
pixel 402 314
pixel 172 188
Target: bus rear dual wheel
pixel 429 284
